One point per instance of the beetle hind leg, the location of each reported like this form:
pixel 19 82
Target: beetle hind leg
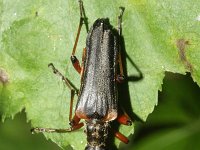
pixel 121 137
pixel 51 130
pixel 74 123
pixel 124 119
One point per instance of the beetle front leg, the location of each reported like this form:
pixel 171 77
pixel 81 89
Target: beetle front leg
pixel 83 19
pixel 120 77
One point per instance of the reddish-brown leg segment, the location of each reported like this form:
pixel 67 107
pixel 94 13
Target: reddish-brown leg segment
pixel 74 60
pixel 121 137
pixel 124 119
pixel 76 63
pixel 75 123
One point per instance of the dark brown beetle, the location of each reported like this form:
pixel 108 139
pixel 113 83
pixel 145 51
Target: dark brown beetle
pixel 97 99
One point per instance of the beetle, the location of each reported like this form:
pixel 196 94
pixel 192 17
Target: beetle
pixel 101 71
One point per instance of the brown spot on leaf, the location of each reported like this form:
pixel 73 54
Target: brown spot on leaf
pixel 3 76
pixel 181 45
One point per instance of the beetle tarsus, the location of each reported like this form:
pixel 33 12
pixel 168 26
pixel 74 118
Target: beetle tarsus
pixel 120 78
pixel 121 11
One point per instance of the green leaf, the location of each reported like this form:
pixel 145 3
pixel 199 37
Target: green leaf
pixel 159 36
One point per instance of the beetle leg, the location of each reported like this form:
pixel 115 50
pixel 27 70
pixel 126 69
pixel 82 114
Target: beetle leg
pixel 124 119
pixel 120 77
pixel 74 123
pixel 83 59
pixel 76 64
pixel 120 20
pixel 83 15
pixel 121 137
pixel 70 86
pixel 65 79
pixel 50 130
pixel 83 19
pixel 71 105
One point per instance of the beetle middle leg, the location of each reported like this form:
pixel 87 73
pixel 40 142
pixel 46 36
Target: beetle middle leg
pixel 124 119
pixel 75 121
pixel 83 19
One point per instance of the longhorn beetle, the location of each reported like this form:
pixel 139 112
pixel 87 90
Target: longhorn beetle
pixel 97 99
